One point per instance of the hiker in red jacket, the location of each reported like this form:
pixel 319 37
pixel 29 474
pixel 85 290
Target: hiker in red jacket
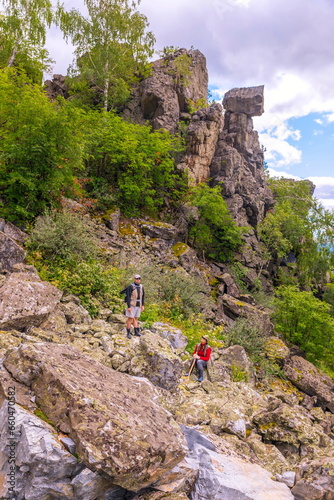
pixel 202 353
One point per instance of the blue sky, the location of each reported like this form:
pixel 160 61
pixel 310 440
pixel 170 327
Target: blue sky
pixel 285 45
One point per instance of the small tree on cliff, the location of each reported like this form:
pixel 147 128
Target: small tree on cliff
pixel 111 45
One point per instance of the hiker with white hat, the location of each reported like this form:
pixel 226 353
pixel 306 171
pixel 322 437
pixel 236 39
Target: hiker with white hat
pixel 134 299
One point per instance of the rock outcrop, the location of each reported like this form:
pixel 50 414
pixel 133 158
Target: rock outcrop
pixel 238 160
pixel 161 98
pixel 113 419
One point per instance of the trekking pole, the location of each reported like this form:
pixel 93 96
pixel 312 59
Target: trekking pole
pixel 191 369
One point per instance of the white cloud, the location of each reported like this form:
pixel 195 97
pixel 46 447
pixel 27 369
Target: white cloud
pixel 279 152
pixel 277 173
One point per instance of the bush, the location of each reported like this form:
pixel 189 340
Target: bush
pixel 40 150
pixel 63 236
pixel 215 232
pixel 179 294
pixel 306 321
pixel 249 337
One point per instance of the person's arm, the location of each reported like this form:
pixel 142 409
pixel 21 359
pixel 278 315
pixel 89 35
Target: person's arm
pixel 195 355
pixel 207 355
pixel 128 296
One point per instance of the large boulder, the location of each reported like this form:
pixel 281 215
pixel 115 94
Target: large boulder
pixel 117 426
pixel 26 300
pixel 229 477
pixel 149 356
pixel 247 100
pixel 291 428
pixel 10 252
pixel 310 380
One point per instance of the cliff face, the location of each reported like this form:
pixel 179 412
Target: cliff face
pixel 222 147
pixel 164 96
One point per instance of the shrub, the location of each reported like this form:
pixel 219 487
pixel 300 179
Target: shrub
pixel 63 236
pixel 306 321
pixel 137 164
pixel 40 150
pixel 95 284
pixel 180 294
pixel 248 335
pixel 214 232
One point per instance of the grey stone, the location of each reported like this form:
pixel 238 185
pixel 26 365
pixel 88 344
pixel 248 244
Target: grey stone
pixel 247 100
pixel 229 478
pixel 10 252
pixel 69 444
pixel 26 300
pixel 288 478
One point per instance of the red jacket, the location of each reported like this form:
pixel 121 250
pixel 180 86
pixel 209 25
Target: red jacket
pixel 199 349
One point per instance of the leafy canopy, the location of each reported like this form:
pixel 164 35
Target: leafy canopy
pixel 306 321
pixel 40 148
pixel 23 28
pixel 299 224
pixel 112 46
pixel 138 164
pixel 213 230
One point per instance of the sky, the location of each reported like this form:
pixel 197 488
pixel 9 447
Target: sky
pixel 285 45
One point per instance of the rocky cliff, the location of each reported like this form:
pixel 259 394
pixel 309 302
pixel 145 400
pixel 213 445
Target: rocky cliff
pixel 88 414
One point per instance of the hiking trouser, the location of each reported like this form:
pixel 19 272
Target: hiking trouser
pixel 200 366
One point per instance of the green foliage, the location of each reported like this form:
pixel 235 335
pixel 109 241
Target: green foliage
pixel 249 336
pixel 305 320
pixel 138 163
pixel 179 294
pixel 65 251
pixel 180 68
pixel 328 296
pixel 112 46
pixel 196 105
pixel 298 224
pixel 238 375
pixel 63 236
pixel 95 284
pixel 41 148
pixel 215 232
pixel 23 28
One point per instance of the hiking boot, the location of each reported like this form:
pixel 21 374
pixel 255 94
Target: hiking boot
pixel 128 334
pixel 200 378
pixel 137 334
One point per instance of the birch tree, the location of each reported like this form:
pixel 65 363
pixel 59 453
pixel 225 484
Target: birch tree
pixel 112 46
pixel 23 26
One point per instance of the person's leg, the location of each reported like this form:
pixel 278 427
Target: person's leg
pixel 135 322
pixel 200 366
pixel 129 322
